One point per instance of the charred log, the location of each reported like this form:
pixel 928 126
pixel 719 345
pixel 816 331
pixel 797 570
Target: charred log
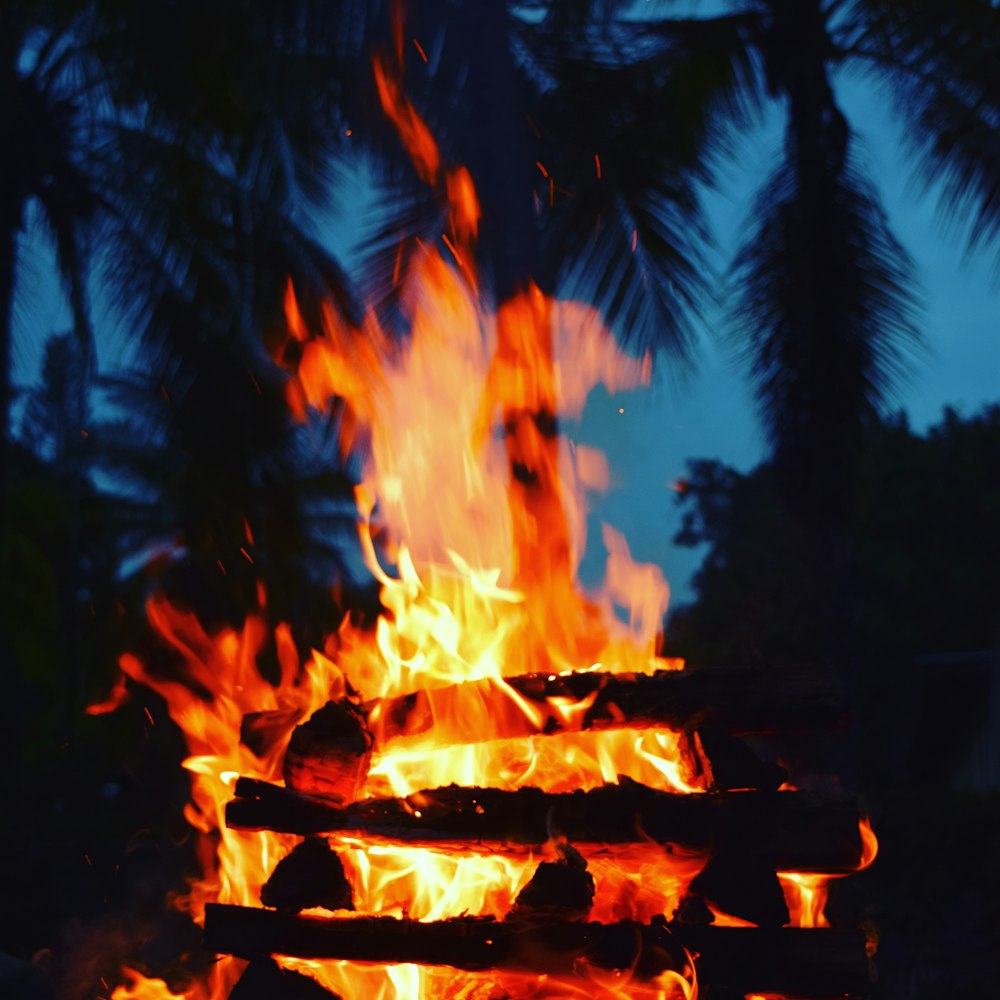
pixel 264 980
pixel 790 961
pixel 558 890
pixel 791 831
pixel 735 881
pixel 329 755
pixel 311 875
pixel 734 765
pixel 735 700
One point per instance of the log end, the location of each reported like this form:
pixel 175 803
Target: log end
pixel 558 890
pixel 311 875
pixel 329 755
pixel 263 979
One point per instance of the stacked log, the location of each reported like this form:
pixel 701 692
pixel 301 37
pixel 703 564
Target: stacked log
pixel 788 960
pixel 793 831
pixel 745 827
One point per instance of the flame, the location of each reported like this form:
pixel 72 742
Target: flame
pixel 139 987
pixel 116 697
pixel 806 894
pixel 472 518
pixel 723 919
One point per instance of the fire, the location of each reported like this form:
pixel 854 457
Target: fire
pixel 461 606
pixel 806 894
pixel 472 517
pixel 138 987
pixel 117 697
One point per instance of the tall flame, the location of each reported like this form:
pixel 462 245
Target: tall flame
pixel 472 518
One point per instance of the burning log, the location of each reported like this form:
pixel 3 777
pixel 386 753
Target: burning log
pixel 735 700
pixel 558 890
pixel 736 881
pixel 790 961
pixel 311 875
pixel 264 980
pixel 791 831
pixel 470 943
pixel 329 755
pixel 734 765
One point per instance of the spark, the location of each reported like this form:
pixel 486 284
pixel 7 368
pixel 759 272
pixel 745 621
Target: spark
pixel 398 264
pixel 453 249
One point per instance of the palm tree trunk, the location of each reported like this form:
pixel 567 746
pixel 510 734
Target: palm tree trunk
pixel 77 473
pixel 496 149
pixel 8 264
pixel 818 463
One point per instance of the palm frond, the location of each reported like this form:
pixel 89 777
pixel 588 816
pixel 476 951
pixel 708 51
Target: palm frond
pixel 205 249
pixel 942 58
pixel 406 213
pixel 627 173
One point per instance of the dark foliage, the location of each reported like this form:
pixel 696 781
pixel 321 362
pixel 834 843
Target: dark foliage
pixel 929 587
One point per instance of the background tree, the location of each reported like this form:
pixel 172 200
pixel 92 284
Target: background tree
pixel 606 122
pixel 178 157
pixel 927 570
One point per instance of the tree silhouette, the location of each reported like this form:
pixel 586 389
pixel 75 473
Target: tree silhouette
pixel 61 547
pixel 927 564
pixel 175 153
pixel 592 127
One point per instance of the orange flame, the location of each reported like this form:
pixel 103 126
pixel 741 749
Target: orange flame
pixel 117 697
pixel 400 111
pixel 138 987
pixel 806 894
pixel 478 500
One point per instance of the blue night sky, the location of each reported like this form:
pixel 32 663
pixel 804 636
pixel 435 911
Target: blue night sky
pixel 708 412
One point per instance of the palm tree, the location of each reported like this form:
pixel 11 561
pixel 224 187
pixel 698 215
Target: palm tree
pixel 488 99
pixel 211 478
pixel 174 154
pixel 627 110
pixel 61 543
